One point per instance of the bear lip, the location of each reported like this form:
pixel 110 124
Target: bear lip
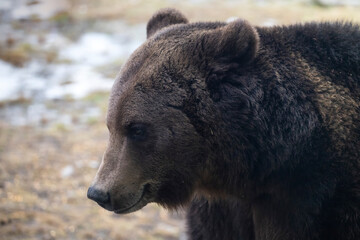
pixel 125 210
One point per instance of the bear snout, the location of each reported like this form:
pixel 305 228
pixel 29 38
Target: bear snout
pixel 102 198
pixel 120 201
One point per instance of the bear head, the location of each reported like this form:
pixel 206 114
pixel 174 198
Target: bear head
pixel 162 119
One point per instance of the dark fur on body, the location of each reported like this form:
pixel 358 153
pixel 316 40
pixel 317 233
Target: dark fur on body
pixel 262 125
pixel 300 137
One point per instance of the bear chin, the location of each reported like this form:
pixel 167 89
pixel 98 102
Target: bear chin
pixel 137 205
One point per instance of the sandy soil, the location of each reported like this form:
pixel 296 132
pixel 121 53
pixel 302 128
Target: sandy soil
pixel 44 175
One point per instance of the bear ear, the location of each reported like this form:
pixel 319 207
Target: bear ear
pixel 163 18
pixel 237 41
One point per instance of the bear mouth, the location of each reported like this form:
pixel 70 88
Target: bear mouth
pixel 129 209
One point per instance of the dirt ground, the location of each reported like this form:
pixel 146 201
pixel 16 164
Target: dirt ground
pixel 45 170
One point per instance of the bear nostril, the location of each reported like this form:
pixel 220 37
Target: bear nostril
pixel 98 196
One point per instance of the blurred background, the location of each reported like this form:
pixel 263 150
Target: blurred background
pixel 58 61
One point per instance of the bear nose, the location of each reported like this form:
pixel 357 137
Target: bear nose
pixel 101 197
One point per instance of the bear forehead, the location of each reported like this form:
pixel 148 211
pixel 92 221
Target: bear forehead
pixel 166 50
pixel 165 45
pixel 170 46
pixel 154 64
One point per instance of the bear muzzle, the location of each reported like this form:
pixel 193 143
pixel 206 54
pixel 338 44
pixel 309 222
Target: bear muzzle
pixel 120 204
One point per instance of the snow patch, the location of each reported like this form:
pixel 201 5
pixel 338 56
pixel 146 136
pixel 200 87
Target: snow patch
pixel 67 171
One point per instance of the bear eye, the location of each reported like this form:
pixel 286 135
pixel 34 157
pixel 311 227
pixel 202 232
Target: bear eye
pixel 137 132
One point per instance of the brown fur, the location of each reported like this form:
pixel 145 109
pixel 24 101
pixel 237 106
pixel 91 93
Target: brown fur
pixel 262 125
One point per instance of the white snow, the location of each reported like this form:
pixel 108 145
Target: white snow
pixel 93 49
pixel 75 73
pixel 67 171
pixel 90 51
pixel 9 83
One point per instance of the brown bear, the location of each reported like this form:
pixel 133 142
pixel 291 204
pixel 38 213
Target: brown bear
pixel 257 128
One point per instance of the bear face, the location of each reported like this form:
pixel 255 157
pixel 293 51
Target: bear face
pixel 161 110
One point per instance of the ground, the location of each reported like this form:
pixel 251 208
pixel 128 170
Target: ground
pixel 44 175
pixel 52 127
